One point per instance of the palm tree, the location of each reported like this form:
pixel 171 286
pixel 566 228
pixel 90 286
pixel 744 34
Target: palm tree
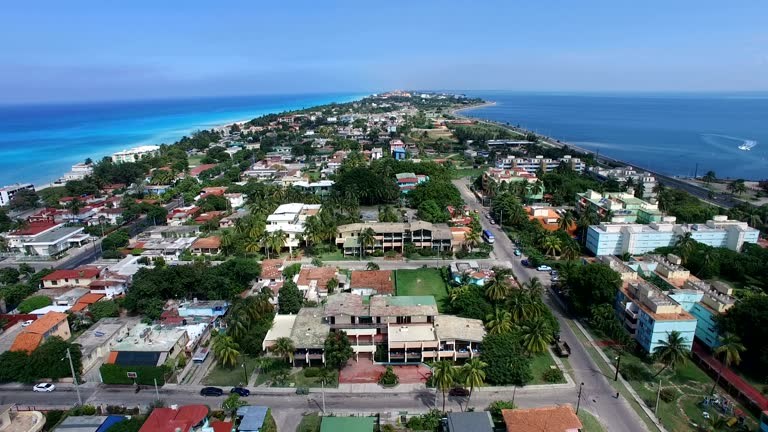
pixel 472 238
pixel 500 321
pixel 570 250
pixel 474 375
pixel 366 238
pixel 443 376
pixel 709 177
pixel 74 208
pixel 672 352
pixel 536 188
pixel 499 286
pixel 252 245
pixel 371 266
pixel 284 347
pixel 534 286
pixel 629 183
pixel 226 350
pixel 658 189
pixel 730 350
pixel 516 215
pixel 537 335
pixel 685 244
pixel 227 241
pixel 737 187
pixel 457 292
pixel 313 230
pixel 551 245
pixel 566 221
pixel 277 240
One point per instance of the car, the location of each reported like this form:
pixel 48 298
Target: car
pixel 543 267
pixel 554 278
pixel 488 216
pixel 211 391
pixel 44 387
pixel 241 391
pixel 27 323
pixel 493 222
pixel 554 273
pixel 517 252
pixel 458 391
pixel 525 262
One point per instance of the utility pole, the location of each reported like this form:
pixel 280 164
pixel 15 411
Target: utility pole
pixel 658 396
pixel 74 377
pixel 618 363
pixel 322 386
pixel 578 402
pixel 157 392
pixel 245 372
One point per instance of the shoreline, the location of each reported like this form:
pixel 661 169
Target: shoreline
pixel 218 125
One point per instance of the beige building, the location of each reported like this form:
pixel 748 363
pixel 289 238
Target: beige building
pixel 20 421
pixel 395 235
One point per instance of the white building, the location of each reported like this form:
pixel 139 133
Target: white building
pixel 641 179
pixel 377 153
pixel 290 219
pixel 78 172
pixel 321 187
pixel 532 165
pixel 135 154
pixel 45 239
pixel 7 192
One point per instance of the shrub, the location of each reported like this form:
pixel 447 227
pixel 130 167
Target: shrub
pixel 668 394
pixel 312 372
pixel 553 376
pixel 429 421
pixel 52 418
pixel 635 372
pixel 389 377
pixel 496 406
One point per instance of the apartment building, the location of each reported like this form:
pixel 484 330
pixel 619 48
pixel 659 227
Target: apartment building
pixel 705 301
pixel 534 164
pixel 641 179
pixel 650 315
pixel 619 206
pixel 494 177
pixel 290 218
pixel 135 154
pixel 637 239
pixel 395 235
pixel 321 187
pixel 7 192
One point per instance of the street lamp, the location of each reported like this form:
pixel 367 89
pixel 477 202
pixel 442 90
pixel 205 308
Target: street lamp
pixel 618 363
pixel 578 402
pixel 74 377
pixel 245 373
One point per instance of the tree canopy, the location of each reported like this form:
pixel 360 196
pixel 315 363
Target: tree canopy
pixel 592 284
pixel 507 362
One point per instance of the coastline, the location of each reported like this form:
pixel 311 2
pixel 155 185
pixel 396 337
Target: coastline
pixel 177 133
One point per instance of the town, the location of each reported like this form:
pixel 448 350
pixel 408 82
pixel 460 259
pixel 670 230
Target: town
pixel 386 264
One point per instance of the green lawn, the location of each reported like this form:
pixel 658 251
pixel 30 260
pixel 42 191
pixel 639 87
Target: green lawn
pixel 421 282
pixel 467 172
pixel 309 423
pixel 591 424
pixel 336 256
pixel 539 364
pixel 194 160
pixel 221 376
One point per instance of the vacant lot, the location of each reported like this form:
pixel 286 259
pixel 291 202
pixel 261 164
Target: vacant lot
pixel 421 282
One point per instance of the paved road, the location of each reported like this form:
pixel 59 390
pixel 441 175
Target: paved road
pixel 598 396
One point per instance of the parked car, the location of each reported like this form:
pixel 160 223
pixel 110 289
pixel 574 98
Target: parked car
pixel 242 391
pixel 554 273
pixel 562 349
pixel 458 391
pixel 44 387
pixel 554 278
pixel 543 267
pixel 525 263
pixel 493 222
pixel 518 252
pixel 27 323
pixel 211 391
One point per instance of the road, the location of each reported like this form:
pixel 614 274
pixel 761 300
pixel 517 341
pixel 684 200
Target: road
pixel 598 395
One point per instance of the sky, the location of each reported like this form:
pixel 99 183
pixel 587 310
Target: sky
pixel 56 50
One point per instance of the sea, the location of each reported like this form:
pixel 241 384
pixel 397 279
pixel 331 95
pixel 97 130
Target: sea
pixel 676 134
pixel 40 142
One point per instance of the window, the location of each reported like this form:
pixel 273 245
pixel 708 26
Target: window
pixel 403 320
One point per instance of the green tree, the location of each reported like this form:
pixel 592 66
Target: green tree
pixel 737 187
pixel 686 244
pixel 499 322
pixel 371 266
pixel 672 352
pixel 537 335
pixel 388 214
pixel 34 302
pixel 104 309
pixel 498 286
pixel 226 350
pixel 709 177
pixel 474 375
pixel 730 350
pixel 592 284
pixel 551 245
pixel 507 363
pixel 338 350
pixel 24 199
pixel 443 376
pixel 566 221
pixel 285 348
pixel 232 403
pixel 367 238
pixel 431 211
pixel 289 298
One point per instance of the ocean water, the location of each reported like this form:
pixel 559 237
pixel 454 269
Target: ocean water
pixel 39 143
pixel 668 133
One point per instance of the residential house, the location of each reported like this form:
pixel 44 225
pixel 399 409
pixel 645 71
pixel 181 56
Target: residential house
pixel 111 284
pixel 308 330
pixel 7 192
pixel 548 217
pixel 106 215
pixel 45 239
pixel 493 178
pixel 470 272
pixel 236 200
pixel 637 239
pixel 540 163
pixel 642 180
pixel 149 345
pixel 180 215
pixel 195 172
pixel 79 277
pixel 251 418
pixel 370 282
pixel 97 341
pixel 397 149
pixel 377 153
pixel 289 218
pixel 408 181
pixel 91 423
pixel 203 308
pixel 185 418
pixel 395 235
pixel 479 421
pixel 321 187
pixel 560 418
pixel 71 297
pixel 49 325
pixel 206 246
pixel 84 302
pixel 313 281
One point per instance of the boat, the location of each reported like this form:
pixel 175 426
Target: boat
pixel 747 146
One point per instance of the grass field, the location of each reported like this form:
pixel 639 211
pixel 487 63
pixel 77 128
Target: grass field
pixel 591 424
pixel 309 423
pixel 467 172
pixel 540 364
pixel 194 160
pixel 421 282
pixel 221 376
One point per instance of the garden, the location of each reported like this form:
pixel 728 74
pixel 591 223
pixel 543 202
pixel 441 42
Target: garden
pixel 421 282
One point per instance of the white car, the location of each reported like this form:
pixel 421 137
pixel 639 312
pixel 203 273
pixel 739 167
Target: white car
pixel 44 387
pixel 545 268
pixel 27 323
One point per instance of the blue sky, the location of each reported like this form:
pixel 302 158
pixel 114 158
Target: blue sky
pixel 56 50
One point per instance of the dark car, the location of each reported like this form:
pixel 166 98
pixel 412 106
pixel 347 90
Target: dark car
pixel 458 391
pixel 211 391
pixel 241 391
pixel 525 262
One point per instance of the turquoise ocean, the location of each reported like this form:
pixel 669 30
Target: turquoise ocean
pixel 674 134
pixel 39 143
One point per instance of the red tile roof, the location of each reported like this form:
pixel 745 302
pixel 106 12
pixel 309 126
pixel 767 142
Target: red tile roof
pixel 270 269
pixel 221 426
pixel 78 273
pixel 196 171
pixel 27 342
pixel 379 280
pixel 35 228
pixel 169 419
pixel 320 274
pixel 212 242
pixel 32 336
pixel 547 419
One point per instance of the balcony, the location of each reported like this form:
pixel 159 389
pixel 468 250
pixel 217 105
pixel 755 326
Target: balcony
pixel 358 326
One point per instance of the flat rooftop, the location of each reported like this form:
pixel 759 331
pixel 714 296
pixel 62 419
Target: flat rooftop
pixel 145 338
pixel 449 327
pixel 100 334
pixel 411 333
pixel 55 235
pixel 282 326
pixel 310 328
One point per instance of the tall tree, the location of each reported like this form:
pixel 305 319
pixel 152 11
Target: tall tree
pixel 498 287
pixel 338 350
pixel 443 377
pixel 537 335
pixel 500 321
pixel 367 238
pixel 289 298
pixel 474 375
pixel 226 350
pixel 730 350
pixel 285 348
pixel 671 352
pixel 565 221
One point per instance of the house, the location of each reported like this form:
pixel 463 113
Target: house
pixel 214 215
pixel 470 272
pixel 643 181
pixel 20 421
pixel 84 302
pixel 70 297
pixel 637 239
pixel 534 164
pixel 397 149
pixel 176 419
pixel 111 285
pixel 7 192
pixel 32 336
pixel 408 181
pixel 91 423
pixel 179 215
pixel 395 235
pixel 45 239
pixel 79 277
pixel 135 154
pixel 106 215
pixel 206 246
pixel 97 341
pixel 548 217
pixel 369 282
pixel 251 418
pixel 313 281
pixel 321 187
pixel 149 345
pixel 289 218
pixel 514 178
pixel 560 418
pixel 480 421
pixel 235 199
pixel 203 308
pixel 196 171
pixel 348 424
pixel 308 330
pixel 377 153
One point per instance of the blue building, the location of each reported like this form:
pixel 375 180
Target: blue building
pixel 408 181
pixel 649 315
pixel 705 301
pixel 637 239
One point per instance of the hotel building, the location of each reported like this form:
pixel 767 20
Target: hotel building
pixel 534 164
pixel 7 192
pixel 395 235
pixel 135 154
pixel 623 207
